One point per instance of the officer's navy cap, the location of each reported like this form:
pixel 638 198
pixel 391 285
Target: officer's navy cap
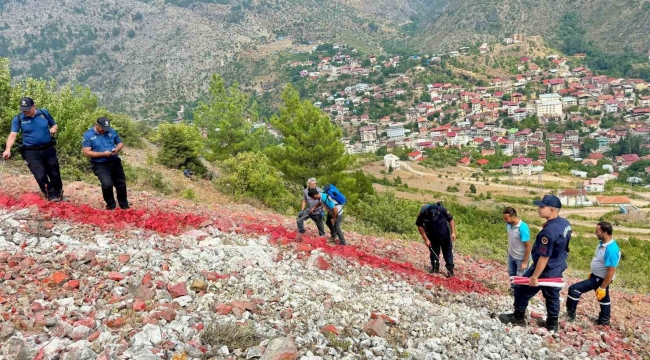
pixel 549 200
pixel 26 103
pixel 105 123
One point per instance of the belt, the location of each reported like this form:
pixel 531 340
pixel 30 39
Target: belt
pixel 38 148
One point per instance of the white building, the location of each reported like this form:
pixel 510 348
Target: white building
pixel 548 104
pixel 368 134
pixel 391 160
pixel 595 185
pixel 395 130
pixel 574 197
pixel 569 101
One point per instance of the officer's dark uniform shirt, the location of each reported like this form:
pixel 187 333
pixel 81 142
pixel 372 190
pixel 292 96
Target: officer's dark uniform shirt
pixel 101 142
pixel 36 130
pixel 553 242
pixel 434 219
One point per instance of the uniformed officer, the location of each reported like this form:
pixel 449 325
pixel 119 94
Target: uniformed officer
pixel 549 255
pixel 38 130
pixel 603 271
pixel 101 144
pixel 434 222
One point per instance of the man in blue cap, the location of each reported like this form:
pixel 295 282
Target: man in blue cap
pixel 549 255
pixel 38 129
pixel 101 144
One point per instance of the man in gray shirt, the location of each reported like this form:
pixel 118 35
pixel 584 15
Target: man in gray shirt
pixel 308 211
pixel 519 245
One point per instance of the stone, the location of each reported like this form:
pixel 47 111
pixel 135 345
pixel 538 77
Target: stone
pixel 65 302
pixel 177 290
pixel 59 277
pixel 322 264
pixel 329 330
pixel 375 327
pixel 116 276
pixel 254 352
pixel 223 309
pixel 72 284
pixel 79 332
pixel 123 258
pixel 143 293
pixel 6 330
pixel 183 301
pixel 139 305
pixel 198 285
pixel 282 348
pixel 150 335
pixel 115 323
pixel 286 313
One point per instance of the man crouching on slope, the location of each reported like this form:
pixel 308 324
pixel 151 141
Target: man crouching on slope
pixel 549 254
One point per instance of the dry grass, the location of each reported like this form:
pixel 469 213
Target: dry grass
pixel 232 335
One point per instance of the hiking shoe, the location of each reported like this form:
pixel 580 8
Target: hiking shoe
pixel 599 322
pixel 570 316
pixel 551 324
pixel 55 199
pixel 110 207
pixel 332 239
pixel 450 273
pixel 516 319
pixel 343 243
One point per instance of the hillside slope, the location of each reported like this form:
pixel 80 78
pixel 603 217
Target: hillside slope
pixel 611 26
pixel 172 278
pixel 141 54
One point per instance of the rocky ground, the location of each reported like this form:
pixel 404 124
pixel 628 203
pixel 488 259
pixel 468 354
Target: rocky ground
pixel 177 281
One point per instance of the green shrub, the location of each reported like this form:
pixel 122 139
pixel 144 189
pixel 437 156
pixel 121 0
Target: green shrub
pixel 251 175
pixel 180 145
pixel 189 194
pixel 452 189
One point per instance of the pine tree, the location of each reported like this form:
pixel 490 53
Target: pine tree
pixel 227 117
pixel 311 143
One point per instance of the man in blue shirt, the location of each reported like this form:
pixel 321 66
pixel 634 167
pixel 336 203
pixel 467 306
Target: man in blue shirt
pixel 101 144
pixel 434 223
pixel 38 130
pixel 334 213
pixel 603 272
pixel 549 253
pixel 519 245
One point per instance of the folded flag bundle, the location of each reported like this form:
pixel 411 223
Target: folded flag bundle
pixel 551 282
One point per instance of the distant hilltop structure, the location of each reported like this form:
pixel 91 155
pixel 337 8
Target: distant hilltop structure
pixel 518 38
pixel 179 114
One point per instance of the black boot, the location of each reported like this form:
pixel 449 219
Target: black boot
pixel 551 323
pixel 571 315
pixel 517 318
pixel 435 268
pixel 602 322
pixel 450 273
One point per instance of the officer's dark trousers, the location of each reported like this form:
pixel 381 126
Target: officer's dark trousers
pixel 44 164
pixel 335 228
pixel 523 293
pixel 591 284
pixel 317 218
pixel 111 173
pixel 441 243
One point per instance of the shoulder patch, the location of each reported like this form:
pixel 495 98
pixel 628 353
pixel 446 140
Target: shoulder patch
pixel 545 240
